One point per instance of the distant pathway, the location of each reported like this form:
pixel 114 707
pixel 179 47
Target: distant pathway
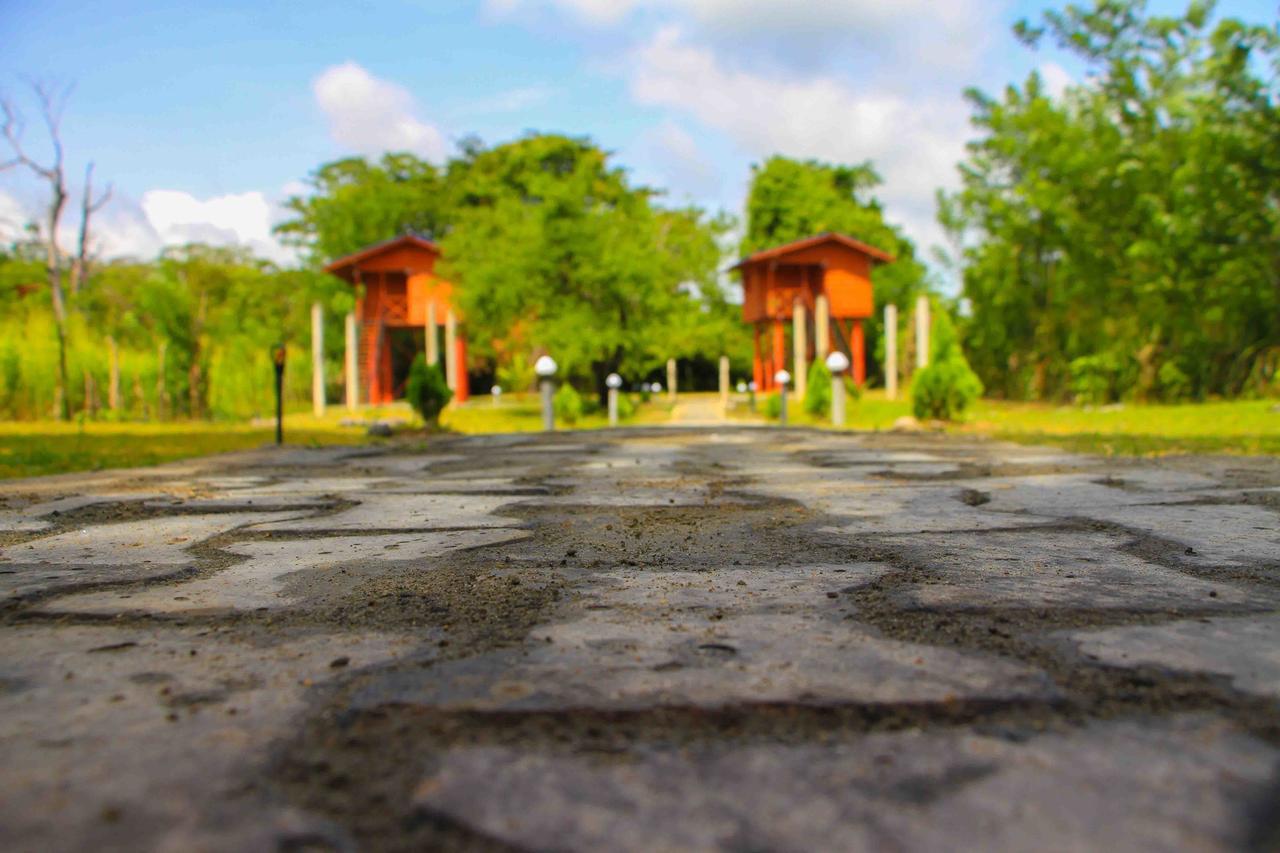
pixel 697 410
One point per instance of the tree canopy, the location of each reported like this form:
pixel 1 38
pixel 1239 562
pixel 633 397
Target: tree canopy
pixel 1124 237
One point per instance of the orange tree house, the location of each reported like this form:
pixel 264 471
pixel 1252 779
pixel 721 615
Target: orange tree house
pixel 818 285
pixel 400 302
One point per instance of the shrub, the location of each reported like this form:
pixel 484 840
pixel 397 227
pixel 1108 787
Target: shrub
pixel 944 389
pixel 773 406
pixel 1093 379
pixel 626 408
pixel 817 395
pixel 427 390
pixel 1175 384
pixel 517 374
pixel 568 404
pixel 948 386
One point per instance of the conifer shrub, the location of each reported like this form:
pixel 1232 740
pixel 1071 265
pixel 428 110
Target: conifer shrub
pixel 568 404
pixel 817 395
pixel 948 386
pixel 427 390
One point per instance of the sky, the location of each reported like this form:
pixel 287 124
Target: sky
pixel 206 116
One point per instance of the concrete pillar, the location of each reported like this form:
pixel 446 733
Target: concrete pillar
pixel 352 362
pixel 800 347
pixel 837 399
pixel 548 389
pixel 922 332
pixel 451 351
pixel 891 351
pixel 671 379
pixel 433 344
pixel 821 327
pixel 724 383
pixel 317 359
pixel 613 407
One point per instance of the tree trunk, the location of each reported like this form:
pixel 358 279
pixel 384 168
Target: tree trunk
pixel 113 387
pixel 162 388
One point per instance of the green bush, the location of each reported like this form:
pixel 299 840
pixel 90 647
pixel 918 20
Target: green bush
pixel 1093 379
pixel 626 408
pixel 773 406
pixel 1175 384
pixel 948 386
pixel 944 389
pixel 427 390
pixel 817 395
pixel 568 404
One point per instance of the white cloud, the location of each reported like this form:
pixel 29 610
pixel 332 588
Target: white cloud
pixel 914 141
pixel 369 115
pixel 125 228
pixel 805 33
pixel 1056 78
pixel 672 154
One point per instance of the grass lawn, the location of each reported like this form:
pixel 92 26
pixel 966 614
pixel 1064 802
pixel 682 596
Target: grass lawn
pixel 1248 427
pixel 32 448
pixel 1241 427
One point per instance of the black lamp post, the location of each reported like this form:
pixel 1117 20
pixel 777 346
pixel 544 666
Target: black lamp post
pixel 277 359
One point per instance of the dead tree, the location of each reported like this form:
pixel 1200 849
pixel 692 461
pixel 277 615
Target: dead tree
pixel 52 100
pixel 88 207
pixel 51 103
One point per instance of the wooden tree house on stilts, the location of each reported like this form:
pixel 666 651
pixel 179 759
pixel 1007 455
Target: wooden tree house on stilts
pixel 817 286
pixel 397 295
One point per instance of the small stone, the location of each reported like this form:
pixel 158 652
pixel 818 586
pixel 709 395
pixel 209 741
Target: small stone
pixel 338 663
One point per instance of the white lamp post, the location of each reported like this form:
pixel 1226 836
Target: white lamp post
pixel 545 367
pixel 782 378
pixel 751 386
pixel 614 381
pixel 496 391
pixel 837 363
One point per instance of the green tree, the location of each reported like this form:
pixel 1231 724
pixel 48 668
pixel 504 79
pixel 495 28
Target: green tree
pixel 1132 223
pixel 354 203
pixel 558 251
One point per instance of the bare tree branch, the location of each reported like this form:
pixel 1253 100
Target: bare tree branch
pixel 88 206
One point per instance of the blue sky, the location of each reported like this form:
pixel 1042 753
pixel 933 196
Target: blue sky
pixel 205 116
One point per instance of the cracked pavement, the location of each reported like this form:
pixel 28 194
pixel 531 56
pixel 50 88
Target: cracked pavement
pixel 679 639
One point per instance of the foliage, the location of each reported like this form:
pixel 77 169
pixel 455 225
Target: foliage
pixel 427 390
pixel 354 203
pixel 773 406
pixel 567 403
pixel 792 199
pixel 817 395
pixel 626 407
pixel 947 386
pixel 1131 221
pixel 559 251
pixel 517 374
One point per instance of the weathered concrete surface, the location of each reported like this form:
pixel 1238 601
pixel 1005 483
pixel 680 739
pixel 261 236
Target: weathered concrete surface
pixel 638 640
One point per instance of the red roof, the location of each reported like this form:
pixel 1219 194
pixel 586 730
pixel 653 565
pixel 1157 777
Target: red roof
pixel 808 242
pixel 379 248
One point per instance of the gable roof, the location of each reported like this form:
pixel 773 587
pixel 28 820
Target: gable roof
pixel 379 248
pixel 809 242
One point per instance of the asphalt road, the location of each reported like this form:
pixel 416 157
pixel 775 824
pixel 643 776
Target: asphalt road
pixel 699 639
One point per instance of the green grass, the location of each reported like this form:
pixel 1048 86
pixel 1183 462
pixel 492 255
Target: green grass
pixel 1248 427
pixel 30 448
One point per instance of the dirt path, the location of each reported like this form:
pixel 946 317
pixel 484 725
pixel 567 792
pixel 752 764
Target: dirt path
pixel 697 410
pixel 714 639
